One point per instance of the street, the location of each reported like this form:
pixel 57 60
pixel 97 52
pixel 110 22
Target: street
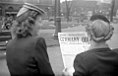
pixel 54 49
pixel 3 68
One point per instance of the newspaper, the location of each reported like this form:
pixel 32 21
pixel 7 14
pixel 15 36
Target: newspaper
pixel 71 44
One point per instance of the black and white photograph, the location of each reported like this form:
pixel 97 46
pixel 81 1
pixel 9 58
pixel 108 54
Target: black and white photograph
pixel 58 37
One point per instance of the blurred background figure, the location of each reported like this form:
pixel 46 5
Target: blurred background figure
pixel 27 52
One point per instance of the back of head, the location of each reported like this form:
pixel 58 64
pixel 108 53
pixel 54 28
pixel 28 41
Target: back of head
pixel 99 17
pixel 25 20
pixel 99 28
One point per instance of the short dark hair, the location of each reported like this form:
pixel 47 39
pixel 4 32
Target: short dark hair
pixel 99 17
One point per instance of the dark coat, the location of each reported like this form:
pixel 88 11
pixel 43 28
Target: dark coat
pixel 96 62
pixel 28 57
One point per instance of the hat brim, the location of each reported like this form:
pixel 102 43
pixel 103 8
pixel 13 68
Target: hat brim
pixel 28 6
pixel 33 7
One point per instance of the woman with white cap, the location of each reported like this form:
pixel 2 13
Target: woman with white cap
pixel 99 60
pixel 27 52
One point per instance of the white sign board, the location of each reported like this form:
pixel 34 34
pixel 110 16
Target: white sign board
pixel 71 44
pixel 106 1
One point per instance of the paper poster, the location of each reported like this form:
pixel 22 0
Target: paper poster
pixel 71 44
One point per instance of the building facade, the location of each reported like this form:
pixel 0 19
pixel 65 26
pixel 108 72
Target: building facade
pixel 11 7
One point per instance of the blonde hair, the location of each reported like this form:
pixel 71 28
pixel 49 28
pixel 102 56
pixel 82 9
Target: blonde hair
pixel 23 25
pixel 100 30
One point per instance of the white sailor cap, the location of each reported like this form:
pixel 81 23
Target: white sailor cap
pixel 28 6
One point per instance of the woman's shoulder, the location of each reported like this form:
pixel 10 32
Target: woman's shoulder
pixel 29 40
pixel 115 50
pixel 34 39
pixel 88 54
pixel 38 39
pixel 20 40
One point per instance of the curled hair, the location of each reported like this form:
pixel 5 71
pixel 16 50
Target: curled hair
pixel 100 31
pixel 22 27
